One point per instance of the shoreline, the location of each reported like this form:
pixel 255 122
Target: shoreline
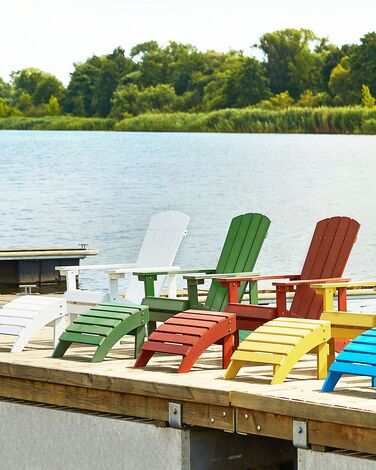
pixel 354 120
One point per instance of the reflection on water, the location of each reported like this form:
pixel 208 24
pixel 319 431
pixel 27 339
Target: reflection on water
pixel 101 188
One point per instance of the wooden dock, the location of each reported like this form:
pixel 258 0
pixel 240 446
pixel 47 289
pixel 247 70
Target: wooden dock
pixel 345 419
pixel 37 265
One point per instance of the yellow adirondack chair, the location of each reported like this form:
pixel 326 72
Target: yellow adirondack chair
pixel 284 341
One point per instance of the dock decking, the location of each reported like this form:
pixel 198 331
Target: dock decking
pixel 345 419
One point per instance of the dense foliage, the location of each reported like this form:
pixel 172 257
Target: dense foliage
pixel 295 69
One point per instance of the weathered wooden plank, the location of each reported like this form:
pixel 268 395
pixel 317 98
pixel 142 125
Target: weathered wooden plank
pixel 83 375
pixel 305 410
pixel 195 414
pixel 263 424
pixel 319 432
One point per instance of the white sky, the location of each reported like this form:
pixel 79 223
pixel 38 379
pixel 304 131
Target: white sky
pixel 52 34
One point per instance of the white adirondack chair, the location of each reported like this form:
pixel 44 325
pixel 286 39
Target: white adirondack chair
pixel 158 250
pixel 25 316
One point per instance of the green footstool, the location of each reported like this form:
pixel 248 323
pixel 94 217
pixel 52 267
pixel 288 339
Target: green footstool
pixel 103 326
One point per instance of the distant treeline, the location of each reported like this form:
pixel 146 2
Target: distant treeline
pixel 297 70
pixel 323 120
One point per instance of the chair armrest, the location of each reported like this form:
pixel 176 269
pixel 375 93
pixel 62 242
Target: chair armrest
pixel 194 280
pixel 338 285
pixel 215 275
pixel 168 271
pixel 310 281
pixel 255 277
pixel 147 271
pixel 148 277
pixel 283 287
pixel 233 283
pixel 100 267
pixel 71 272
pixel 328 291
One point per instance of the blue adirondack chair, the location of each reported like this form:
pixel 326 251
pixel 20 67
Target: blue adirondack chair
pixel 358 358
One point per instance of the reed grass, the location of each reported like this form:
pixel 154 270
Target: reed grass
pixel 56 123
pixel 324 120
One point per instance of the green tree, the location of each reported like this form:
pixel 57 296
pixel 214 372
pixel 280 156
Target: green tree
pixel 160 98
pixel 331 56
pixel 208 83
pixel 54 108
pixel 309 99
pixel 291 62
pixel 5 109
pixel 93 82
pixel 368 101
pixel 78 106
pixel 362 63
pixel 104 88
pixel 247 84
pixel 280 101
pixel 24 101
pixel 80 91
pixel 47 87
pixel 38 84
pixel 125 100
pixel 6 90
pixel 151 62
pixel 26 80
pixel 129 99
pixel 340 84
pixel 182 60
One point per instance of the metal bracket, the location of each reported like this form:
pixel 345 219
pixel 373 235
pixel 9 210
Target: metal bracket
pixel 300 434
pixel 174 415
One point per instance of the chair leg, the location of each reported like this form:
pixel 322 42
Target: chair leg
pixel 152 325
pixel 373 381
pixel 139 340
pixel 322 361
pixel 61 348
pixel 59 327
pixel 331 381
pixel 233 369
pixel 143 358
pixel 228 350
pixel 236 340
pixel 332 352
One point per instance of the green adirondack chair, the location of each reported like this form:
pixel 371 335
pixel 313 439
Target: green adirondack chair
pixel 242 246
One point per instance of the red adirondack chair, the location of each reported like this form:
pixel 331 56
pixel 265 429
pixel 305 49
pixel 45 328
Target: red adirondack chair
pixel 326 259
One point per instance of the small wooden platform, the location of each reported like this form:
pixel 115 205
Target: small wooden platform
pixel 37 265
pixel 248 404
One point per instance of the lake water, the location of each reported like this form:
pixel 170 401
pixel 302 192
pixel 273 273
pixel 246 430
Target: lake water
pixel 101 188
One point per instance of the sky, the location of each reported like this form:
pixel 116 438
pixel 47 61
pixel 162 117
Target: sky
pixel 53 34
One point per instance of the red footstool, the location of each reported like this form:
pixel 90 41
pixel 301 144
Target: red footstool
pixel 189 334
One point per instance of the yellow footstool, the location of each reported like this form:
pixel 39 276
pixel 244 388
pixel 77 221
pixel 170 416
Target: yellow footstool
pixel 282 343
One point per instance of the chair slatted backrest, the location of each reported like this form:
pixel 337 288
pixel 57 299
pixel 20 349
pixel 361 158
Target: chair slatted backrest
pixel 159 247
pixel 327 256
pixel 242 246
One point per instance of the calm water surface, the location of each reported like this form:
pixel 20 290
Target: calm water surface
pixel 65 188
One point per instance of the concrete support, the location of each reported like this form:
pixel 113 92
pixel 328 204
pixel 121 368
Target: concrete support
pixel 34 438
pixel 338 460
pixel 43 437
